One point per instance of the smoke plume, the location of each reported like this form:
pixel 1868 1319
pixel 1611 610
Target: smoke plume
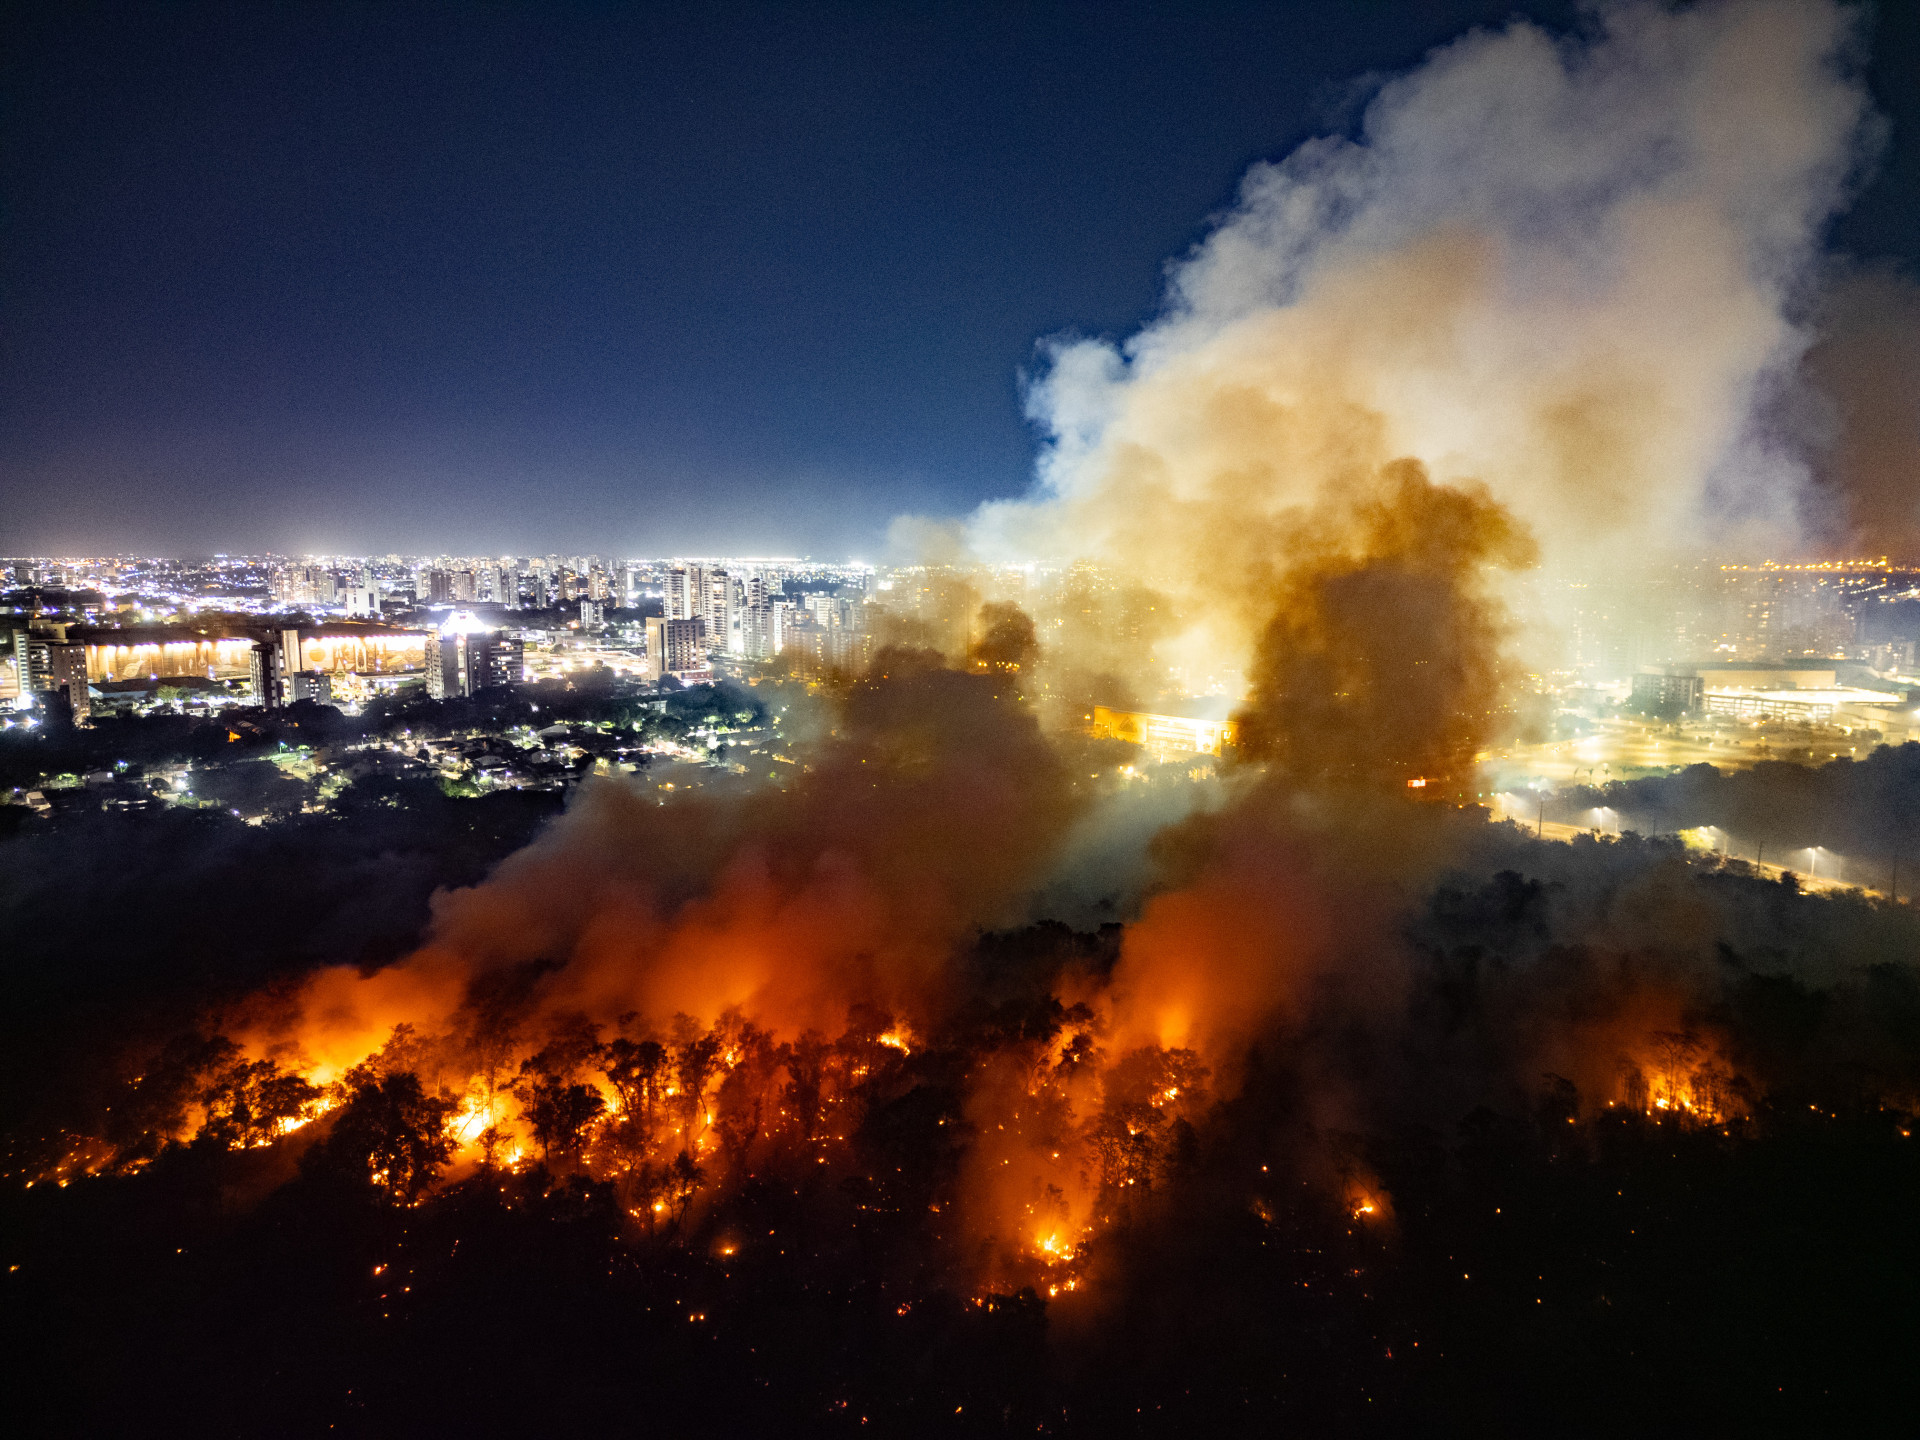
pixel 1560 268
pixel 923 816
pixel 1865 367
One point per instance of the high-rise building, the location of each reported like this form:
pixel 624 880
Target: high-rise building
pixel 674 646
pixel 439 587
pixel 277 670
pixel 780 614
pixel 291 658
pixel 264 671
pixel 719 611
pixel 464 588
pixel 303 585
pixel 590 615
pixel 67 674
pixel 466 654
pixel 597 585
pixel 363 602
pixel 805 645
pixel 30 665
pixel 686 592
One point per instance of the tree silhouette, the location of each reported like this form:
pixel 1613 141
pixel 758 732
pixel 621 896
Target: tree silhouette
pixel 392 1132
pixel 561 1115
pixel 251 1103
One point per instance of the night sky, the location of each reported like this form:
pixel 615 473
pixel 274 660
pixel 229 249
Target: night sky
pixel 712 278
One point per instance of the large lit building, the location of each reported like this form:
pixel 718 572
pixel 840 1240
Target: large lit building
pixel 303 585
pixel 315 685
pixel 685 588
pixel 264 674
pixel 30 663
pixel 466 654
pixel 67 674
pixel 675 646
pixel 1206 731
pixel 1840 705
pixel 1681 691
pixel 278 672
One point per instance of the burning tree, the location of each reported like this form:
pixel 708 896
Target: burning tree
pixel 391 1131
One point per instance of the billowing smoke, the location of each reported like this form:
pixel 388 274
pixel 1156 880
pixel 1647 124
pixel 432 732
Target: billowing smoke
pixel 1865 374
pixel 1381 662
pixel 922 817
pixel 1526 312
pixel 1560 268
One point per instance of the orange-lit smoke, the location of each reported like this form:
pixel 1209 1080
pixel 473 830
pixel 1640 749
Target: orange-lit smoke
pixel 1559 268
pixel 923 816
pixel 1381 662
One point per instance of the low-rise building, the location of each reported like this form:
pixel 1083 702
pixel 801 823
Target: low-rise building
pixel 1198 727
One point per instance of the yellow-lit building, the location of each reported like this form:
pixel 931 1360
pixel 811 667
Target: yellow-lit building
pixel 1189 734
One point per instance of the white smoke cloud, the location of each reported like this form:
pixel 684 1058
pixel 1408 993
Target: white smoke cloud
pixel 1564 266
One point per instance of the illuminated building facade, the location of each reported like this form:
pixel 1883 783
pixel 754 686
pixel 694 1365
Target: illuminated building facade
pixel 466 655
pixel 30 663
pixel 312 685
pixel 264 675
pixel 674 645
pixel 1806 707
pixel 67 674
pixel 1659 688
pixel 1188 734
pixel 685 585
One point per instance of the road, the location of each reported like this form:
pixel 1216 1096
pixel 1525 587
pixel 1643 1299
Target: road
pixel 1554 830
pixel 1625 749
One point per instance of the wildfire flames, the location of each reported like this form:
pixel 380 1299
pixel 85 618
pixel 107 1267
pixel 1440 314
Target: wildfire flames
pixel 684 1002
pixel 688 1003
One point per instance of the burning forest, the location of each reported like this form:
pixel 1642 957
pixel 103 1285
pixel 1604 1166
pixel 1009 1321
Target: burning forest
pixel 975 1073
pixel 785 1106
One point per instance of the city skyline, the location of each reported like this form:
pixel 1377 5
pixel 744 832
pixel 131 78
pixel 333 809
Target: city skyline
pixel 599 320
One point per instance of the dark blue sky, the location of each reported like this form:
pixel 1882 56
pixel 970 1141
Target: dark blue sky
pixel 718 277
